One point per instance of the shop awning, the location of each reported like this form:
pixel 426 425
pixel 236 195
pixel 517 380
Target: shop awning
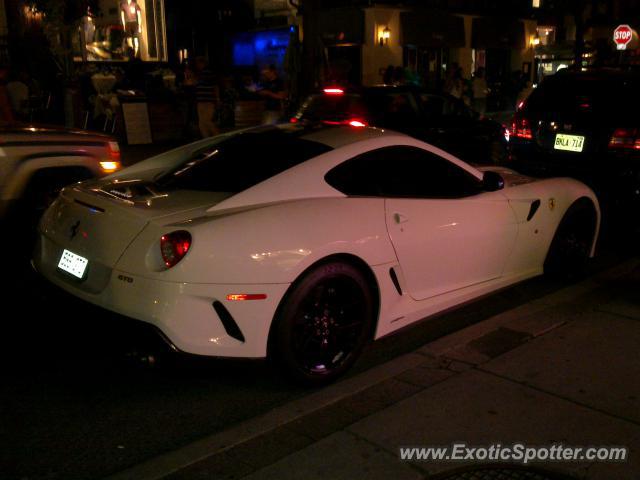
pixel 342 26
pixel 431 28
pixel 493 32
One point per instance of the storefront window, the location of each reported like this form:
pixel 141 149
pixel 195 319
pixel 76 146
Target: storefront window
pixel 122 30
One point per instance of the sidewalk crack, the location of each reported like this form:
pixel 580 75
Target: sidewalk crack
pixel 556 395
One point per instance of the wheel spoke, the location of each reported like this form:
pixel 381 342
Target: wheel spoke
pixel 328 324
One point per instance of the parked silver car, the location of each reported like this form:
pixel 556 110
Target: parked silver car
pixel 37 161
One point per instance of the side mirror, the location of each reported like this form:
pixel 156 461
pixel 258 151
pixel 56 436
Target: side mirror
pixel 492 181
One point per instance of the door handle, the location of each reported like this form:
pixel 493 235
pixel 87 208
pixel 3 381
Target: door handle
pixel 400 218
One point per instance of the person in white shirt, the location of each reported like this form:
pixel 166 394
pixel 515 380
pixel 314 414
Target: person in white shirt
pixel 480 91
pixel 18 92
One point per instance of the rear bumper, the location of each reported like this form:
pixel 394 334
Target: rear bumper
pixel 182 312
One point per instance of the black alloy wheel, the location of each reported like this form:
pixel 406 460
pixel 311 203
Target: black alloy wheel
pixel 571 245
pixel 323 324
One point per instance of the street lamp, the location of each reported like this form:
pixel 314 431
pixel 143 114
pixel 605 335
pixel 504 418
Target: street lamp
pixel 384 36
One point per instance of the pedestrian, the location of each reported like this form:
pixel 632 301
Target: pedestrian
pixel 398 75
pixel 6 112
pixel 479 91
pixel 228 97
pixel 387 77
pixel 511 90
pixel 135 71
pixel 207 95
pixel 18 91
pixel 449 78
pixel 526 90
pixel 272 90
pixel 455 83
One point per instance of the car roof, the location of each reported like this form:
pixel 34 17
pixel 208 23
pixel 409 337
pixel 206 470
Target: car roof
pixel 339 136
pixel 305 180
pixel 394 88
pixel 381 88
pixel 333 136
pixel 598 73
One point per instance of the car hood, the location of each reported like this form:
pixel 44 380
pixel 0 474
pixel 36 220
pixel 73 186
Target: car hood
pixel 38 131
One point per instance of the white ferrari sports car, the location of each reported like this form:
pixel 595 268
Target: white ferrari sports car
pixel 302 243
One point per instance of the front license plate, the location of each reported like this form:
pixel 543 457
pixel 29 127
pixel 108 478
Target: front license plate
pixel 73 264
pixel 572 143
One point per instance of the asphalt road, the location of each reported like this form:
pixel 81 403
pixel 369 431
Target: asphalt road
pixel 81 400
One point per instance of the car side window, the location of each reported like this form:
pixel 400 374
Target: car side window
pixel 402 172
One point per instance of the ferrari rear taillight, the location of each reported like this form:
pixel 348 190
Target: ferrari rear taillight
pixel 521 127
pixel 174 246
pixel 625 138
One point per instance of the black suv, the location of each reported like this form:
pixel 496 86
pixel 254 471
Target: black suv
pixel 583 124
pixel 439 119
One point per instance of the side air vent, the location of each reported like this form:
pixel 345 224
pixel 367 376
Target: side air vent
pixel 394 279
pixel 229 324
pixel 533 209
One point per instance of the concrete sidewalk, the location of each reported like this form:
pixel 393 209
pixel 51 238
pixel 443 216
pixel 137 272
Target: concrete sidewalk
pixel 561 369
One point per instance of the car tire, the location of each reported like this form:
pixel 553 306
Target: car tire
pixel 568 254
pixel 322 324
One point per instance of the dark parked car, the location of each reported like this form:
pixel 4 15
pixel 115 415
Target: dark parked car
pixel 442 120
pixel 583 124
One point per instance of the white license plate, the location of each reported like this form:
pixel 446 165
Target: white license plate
pixel 572 143
pixel 73 264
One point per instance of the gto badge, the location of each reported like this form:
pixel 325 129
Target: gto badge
pixel 125 278
pixel 552 203
pixel 73 231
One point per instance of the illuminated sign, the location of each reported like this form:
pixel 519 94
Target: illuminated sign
pixel 622 36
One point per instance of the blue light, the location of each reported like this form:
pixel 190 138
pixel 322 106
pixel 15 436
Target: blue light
pixel 243 54
pixel 260 48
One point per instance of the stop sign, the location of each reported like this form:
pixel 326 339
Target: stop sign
pixel 622 36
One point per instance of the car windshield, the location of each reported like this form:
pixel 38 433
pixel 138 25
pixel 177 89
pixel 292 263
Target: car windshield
pixel 333 108
pixel 586 94
pixel 241 161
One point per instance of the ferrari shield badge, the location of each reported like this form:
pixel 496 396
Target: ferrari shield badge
pixel 552 203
